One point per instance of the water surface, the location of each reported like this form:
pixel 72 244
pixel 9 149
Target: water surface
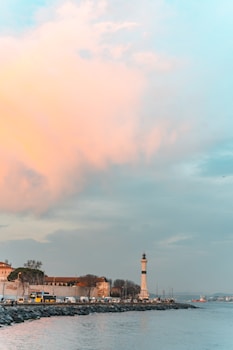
pixel 207 328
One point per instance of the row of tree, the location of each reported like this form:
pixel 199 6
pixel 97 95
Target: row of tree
pixel 32 274
pixel 124 289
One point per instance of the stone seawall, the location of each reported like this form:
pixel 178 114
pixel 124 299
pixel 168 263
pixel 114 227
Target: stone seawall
pixel 20 313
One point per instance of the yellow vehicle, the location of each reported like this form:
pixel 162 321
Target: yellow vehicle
pixel 42 297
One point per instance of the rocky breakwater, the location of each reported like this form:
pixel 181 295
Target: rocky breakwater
pixel 20 313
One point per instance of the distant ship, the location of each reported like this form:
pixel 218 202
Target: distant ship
pixel 201 300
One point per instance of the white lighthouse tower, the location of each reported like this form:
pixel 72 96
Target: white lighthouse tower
pixel 144 291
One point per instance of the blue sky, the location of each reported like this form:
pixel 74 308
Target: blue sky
pixel 117 139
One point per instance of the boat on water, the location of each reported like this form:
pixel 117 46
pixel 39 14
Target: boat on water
pixel 201 300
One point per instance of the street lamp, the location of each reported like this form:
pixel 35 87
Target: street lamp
pixel 3 290
pixel 18 280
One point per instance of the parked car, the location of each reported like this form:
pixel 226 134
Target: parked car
pixel 21 300
pixel 84 299
pixel 70 300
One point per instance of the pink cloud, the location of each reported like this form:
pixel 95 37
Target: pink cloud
pixel 154 61
pixel 61 113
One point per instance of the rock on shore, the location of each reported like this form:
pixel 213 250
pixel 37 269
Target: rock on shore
pixel 20 313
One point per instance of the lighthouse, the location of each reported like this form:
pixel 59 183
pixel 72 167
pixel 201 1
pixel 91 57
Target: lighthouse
pixel 144 291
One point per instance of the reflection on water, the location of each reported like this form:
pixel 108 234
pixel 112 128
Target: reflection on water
pixel 202 329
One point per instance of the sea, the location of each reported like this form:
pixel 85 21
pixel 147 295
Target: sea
pixel 208 327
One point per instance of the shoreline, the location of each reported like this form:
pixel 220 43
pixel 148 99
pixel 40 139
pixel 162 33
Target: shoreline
pixel 10 315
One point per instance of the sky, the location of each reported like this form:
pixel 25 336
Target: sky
pixel 116 139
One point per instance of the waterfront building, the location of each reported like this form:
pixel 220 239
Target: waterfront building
pixel 59 286
pixel 143 295
pixel 102 288
pixel 5 270
pixel 90 285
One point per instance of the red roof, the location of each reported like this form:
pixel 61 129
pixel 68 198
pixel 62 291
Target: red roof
pixel 5 265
